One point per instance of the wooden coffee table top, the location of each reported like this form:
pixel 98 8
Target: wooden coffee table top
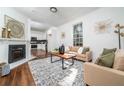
pixel 65 55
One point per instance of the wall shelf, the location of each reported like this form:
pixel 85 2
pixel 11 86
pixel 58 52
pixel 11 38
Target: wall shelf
pixel 13 39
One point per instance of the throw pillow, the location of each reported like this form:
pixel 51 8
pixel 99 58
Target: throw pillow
pixel 80 50
pixel 85 49
pixel 74 48
pixel 106 51
pixel 107 60
pixel 119 60
pixel 66 49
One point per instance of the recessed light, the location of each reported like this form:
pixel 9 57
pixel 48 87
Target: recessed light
pixel 53 9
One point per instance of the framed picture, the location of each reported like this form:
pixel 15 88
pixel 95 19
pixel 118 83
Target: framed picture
pixel 15 27
pixel 62 34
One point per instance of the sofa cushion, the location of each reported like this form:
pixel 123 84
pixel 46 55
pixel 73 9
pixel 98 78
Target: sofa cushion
pixel 71 52
pixel 80 50
pixel 106 51
pixel 106 60
pixel 74 49
pixel 81 55
pixel 119 60
pixel 85 49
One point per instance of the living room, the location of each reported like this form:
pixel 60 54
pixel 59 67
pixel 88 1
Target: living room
pixel 29 43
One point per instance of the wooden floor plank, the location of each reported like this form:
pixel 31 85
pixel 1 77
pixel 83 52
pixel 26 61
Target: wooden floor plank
pixel 21 75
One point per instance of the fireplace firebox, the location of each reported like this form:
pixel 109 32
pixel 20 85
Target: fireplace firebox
pixel 16 53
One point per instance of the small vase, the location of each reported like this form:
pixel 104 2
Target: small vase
pixel 62 49
pixel 8 34
pixel 4 32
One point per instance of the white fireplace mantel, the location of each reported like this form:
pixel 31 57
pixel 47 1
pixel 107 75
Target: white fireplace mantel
pixel 5 42
pixel 13 39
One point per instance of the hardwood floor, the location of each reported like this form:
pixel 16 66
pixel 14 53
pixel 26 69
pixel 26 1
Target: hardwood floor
pixel 38 53
pixel 20 76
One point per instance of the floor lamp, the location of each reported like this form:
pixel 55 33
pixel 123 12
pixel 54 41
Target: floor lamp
pixel 119 27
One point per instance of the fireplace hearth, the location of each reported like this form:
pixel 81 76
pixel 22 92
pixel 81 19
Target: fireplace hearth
pixel 16 53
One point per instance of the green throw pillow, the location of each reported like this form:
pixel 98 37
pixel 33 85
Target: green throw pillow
pixel 107 60
pixel 86 49
pixel 106 51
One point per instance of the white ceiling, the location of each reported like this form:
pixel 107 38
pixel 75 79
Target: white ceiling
pixel 47 18
pixel 37 26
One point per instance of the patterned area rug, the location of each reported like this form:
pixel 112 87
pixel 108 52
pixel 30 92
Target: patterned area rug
pixel 46 73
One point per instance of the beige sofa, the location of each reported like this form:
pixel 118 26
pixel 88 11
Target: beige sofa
pixel 82 57
pixel 96 75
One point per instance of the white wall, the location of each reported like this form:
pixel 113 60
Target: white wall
pixel 52 40
pixel 96 41
pixel 4 44
pixel 40 36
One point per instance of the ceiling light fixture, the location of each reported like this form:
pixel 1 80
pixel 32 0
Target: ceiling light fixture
pixel 53 9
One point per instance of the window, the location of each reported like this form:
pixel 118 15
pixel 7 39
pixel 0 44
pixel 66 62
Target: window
pixel 77 35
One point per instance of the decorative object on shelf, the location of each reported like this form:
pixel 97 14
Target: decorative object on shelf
pixel 53 9
pixel 4 32
pixel 119 27
pixel 15 28
pixel 103 26
pixel 62 49
pixel 4 69
pixel 8 33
